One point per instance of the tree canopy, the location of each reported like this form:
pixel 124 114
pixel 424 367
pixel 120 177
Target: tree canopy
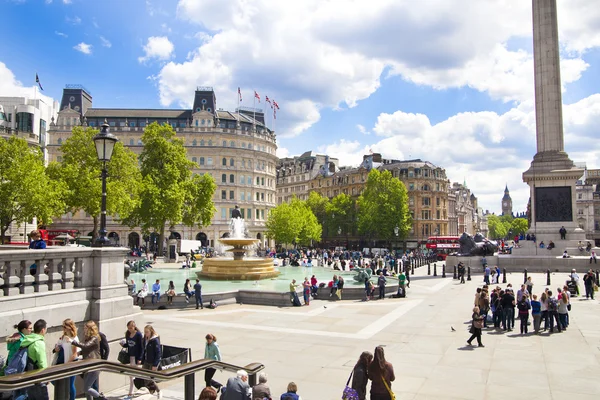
pixel 26 191
pixel 501 227
pixel 341 211
pixel 80 172
pixel 169 192
pixel 293 223
pixel 383 206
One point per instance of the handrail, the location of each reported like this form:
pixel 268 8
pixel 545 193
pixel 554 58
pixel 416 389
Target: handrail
pixel 61 371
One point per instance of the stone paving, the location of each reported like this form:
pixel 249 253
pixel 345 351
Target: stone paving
pixel 316 346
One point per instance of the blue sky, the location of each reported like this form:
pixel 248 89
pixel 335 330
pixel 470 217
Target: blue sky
pixel 447 81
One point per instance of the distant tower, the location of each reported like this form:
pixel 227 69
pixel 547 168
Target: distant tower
pixel 506 202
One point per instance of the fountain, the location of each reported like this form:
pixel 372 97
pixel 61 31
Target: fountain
pixel 239 267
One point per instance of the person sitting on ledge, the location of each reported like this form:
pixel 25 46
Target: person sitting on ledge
pixel 551 245
pixel 542 245
pixel 588 247
pixel 565 254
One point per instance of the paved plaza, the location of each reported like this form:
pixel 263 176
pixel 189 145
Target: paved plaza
pixel 316 346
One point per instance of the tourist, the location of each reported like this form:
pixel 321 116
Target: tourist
pixel 198 294
pixel 536 313
pixel 381 281
pixel 291 394
pixel 542 244
pixel 565 254
pixel 381 374
pixel 151 357
pixel 371 290
pixel 567 294
pixel 65 352
pixel 133 288
pixel 36 355
pixel 484 306
pixel 142 294
pixel 529 285
pixel 497 274
pixel 593 257
pixel 306 291
pixel 544 308
pixel 209 393
pixel 574 276
pixel 261 391
pixel 37 243
pixel 293 295
pixel 496 301
pixel 340 287
pixel 170 293
pixel 313 286
pixel 476 327
pixel 563 233
pixel 522 292
pixel 187 289
pixel 156 292
pixel 90 350
pixel 401 284
pixel 360 375
pixel 461 272
pixel 563 308
pixel 237 387
pixel 333 286
pixel 553 312
pixel 477 297
pixel 523 306
pixel 588 281
pixel 508 310
pixel 13 342
pixel 134 343
pixel 211 352
pixel 486 275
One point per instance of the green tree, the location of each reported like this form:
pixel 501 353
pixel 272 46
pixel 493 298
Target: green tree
pixel 318 205
pixel 519 226
pixel 341 212
pixel 499 226
pixel 293 223
pixel 383 206
pixel 26 191
pixel 80 172
pixel 169 192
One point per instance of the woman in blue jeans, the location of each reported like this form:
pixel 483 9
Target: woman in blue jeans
pixel 65 352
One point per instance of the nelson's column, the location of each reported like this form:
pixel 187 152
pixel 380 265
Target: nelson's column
pixel 552 175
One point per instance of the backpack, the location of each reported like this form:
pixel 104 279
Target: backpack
pixel 212 304
pixel 19 363
pixel 552 306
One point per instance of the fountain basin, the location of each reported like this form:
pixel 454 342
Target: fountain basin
pixel 247 269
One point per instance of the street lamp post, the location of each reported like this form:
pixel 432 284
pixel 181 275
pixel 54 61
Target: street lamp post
pixel 105 144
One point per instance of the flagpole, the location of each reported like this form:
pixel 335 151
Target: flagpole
pixel 254 109
pixel 238 109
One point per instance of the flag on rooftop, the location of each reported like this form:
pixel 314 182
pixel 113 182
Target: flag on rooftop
pixel 275 104
pixel 256 95
pixel 239 94
pixel 37 80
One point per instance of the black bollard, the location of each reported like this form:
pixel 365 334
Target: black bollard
pixel 454 276
pixel 597 276
pixel 434 269
pixel 503 275
pixel 443 270
pixel 428 269
pixel 468 273
pixel 548 277
pixel 413 270
pixel 525 276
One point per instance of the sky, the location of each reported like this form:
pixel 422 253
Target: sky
pixel 447 81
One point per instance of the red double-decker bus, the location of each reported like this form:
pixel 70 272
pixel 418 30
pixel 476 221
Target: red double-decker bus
pixel 443 245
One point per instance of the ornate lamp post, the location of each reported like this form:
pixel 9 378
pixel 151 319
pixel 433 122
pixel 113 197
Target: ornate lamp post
pixel 105 144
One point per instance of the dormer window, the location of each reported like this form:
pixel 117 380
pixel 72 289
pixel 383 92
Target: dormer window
pixel 203 101
pixel 198 109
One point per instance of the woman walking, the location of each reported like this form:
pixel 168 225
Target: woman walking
pixel 529 284
pixel 211 352
pixel 476 327
pixel 523 306
pixel 152 354
pixel 66 352
pixel 360 374
pixel 90 349
pixel 135 348
pixel 381 374
pixel 306 291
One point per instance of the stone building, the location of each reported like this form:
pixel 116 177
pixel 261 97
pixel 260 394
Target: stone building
pixel 236 148
pixel 27 118
pixel 295 173
pixel 427 187
pixel 465 209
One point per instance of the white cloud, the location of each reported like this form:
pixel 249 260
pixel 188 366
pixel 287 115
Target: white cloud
pixel 362 129
pixel 61 34
pixel 48 1
pixel 105 42
pixel 165 28
pixel 282 152
pixel 158 47
pixel 11 87
pixel 84 48
pixel 67 1
pixel 74 21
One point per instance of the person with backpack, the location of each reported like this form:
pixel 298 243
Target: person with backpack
pixel 133 343
pixel 553 312
pixel 90 350
pixel 360 376
pixel 524 308
pixel 13 342
pixel 381 374
pixel 32 356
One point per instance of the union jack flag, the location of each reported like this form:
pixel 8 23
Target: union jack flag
pixel 239 94
pixel 257 96
pixel 275 104
pixel 268 101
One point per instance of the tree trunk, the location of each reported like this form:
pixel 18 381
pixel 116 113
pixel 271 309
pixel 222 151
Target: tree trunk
pixel 2 234
pixel 95 231
pixel 161 240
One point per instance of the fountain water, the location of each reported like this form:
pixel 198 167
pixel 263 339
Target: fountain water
pixel 239 267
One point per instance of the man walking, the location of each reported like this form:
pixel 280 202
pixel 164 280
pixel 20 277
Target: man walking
pixel 461 272
pixel 198 294
pixel 486 275
pixel 588 280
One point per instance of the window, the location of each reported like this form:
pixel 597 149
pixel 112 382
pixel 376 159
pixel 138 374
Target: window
pixel 579 196
pixel 194 143
pixel 262 214
pixel 249 163
pixel 209 161
pixel 139 142
pixel 257 181
pixel 209 142
pixel 249 213
pixel 223 194
pixel 224 162
pixel 231 178
pixel 249 180
pixel 203 122
pixel 232 144
pixel 249 196
pixel 425 214
pixel 250 146
pixel 201 160
pixel 59 158
pixel 437 201
pixel 224 178
pixel 262 181
pixel 224 143
pixel 59 141
pixel 209 109
pixel 242 196
pixel 132 124
pixel 426 201
pixel 142 124
pixel 243 145
pixel 242 180
pixel 131 142
pixel 426 187
pixel 202 142
pixel 262 197
pixel 223 213
pixel 194 159
pixel 257 214
pixel 231 162
pixel 232 195
pixel 411 186
pixel 198 109
pixel 112 123
pixel 203 101
pixel 243 163
pixel 437 214
pixel 257 196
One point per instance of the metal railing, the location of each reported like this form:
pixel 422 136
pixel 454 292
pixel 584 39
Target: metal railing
pixel 20 381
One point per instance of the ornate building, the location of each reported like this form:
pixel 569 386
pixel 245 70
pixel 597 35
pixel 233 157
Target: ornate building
pixel 295 173
pixel 236 148
pixel 507 208
pixel 465 210
pixel 427 187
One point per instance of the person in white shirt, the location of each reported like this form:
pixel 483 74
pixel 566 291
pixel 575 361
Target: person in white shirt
pixel 65 352
pixel 575 278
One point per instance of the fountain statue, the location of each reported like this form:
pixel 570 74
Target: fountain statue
pixel 239 267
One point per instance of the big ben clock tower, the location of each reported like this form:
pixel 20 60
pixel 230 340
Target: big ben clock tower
pixel 506 202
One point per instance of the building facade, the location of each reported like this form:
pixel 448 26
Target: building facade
pixel 27 118
pixel 465 209
pixel 427 187
pixel 236 148
pixel 295 173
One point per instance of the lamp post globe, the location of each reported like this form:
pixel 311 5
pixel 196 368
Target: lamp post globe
pixel 105 144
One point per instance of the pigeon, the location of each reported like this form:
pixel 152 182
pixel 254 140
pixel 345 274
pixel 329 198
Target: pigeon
pixel 452 328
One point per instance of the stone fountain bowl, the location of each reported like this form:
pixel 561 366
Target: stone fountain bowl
pixel 238 242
